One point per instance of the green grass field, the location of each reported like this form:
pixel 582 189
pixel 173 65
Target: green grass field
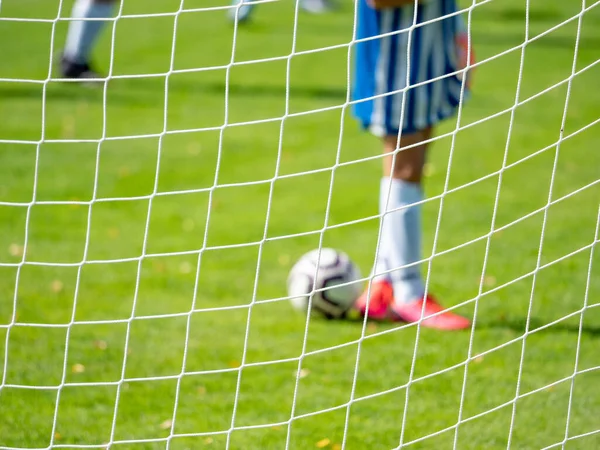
pixel 136 351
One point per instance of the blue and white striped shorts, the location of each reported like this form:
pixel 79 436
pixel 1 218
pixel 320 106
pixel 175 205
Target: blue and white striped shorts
pixel 396 61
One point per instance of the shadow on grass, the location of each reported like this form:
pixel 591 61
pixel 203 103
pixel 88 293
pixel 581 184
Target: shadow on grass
pixel 135 91
pixel 60 91
pixel 508 14
pixel 309 92
pixel 514 324
pixel 519 324
pixel 546 18
pixel 548 41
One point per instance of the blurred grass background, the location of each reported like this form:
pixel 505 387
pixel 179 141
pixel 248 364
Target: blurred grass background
pixel 137 350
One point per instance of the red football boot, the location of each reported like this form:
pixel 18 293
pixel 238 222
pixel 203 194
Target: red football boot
pixel 382 296
pixel 413 311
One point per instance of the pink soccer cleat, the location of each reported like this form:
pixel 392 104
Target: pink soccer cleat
pixel 413 311
pixel 382 296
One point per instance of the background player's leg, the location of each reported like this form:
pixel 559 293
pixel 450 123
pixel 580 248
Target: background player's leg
pixel 242 12
pixel 401 230
pixel 83 34
pixel 315 6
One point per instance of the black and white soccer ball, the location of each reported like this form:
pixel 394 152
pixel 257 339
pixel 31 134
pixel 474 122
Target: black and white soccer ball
pixel 325 283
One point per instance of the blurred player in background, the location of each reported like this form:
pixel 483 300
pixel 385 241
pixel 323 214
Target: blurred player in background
pixel 383 67
pixel 244 11
pixel 82 35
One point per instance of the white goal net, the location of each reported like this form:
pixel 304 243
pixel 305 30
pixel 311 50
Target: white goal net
pixel 148 224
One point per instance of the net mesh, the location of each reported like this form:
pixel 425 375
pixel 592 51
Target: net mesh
pixel 150 224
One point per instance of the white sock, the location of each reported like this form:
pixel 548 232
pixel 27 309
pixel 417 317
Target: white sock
pixel 382 266
pixel 401 237
pixel 83 33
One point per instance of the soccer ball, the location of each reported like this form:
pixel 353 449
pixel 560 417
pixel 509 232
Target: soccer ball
pixel 322 283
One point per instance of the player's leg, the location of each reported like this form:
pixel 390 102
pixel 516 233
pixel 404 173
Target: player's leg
pixel 244 11
pixel 400 186
pixel 401 190
pixel 400 239
pixel 315 6
pixel 82 36
pixel 241 12
pixel 398 285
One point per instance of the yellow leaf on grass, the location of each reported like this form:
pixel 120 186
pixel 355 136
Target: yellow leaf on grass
pixel 78 368
pixel 489 281
pixel 15 250
pixel 303 373
pixel 185 267
pixel 56 286
pixel 100 344
pixel 167 424
pixel 323 443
